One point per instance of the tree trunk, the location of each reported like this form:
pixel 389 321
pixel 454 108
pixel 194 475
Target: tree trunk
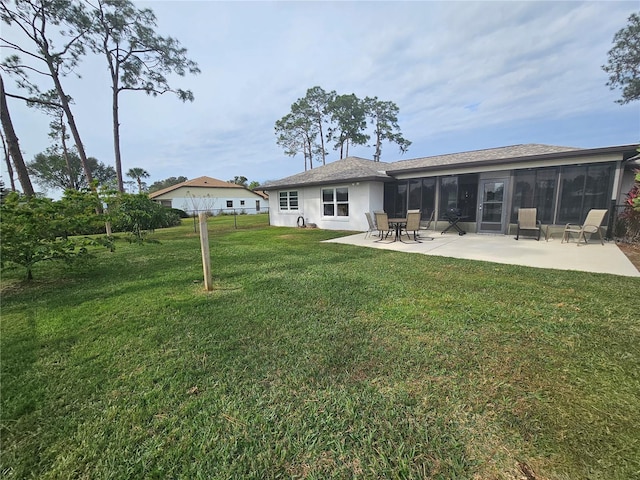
pixel 13 144
pixel 116 140
pixel 70 120
pixel 8 162
pixel 324 159
pixel 65 152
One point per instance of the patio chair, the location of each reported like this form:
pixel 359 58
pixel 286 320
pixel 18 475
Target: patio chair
pixel 413 224
pixel 527 221
pixel 591 225
pixel 382 224
pixel 372 225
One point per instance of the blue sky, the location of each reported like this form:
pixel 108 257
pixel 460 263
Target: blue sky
pixel 465 75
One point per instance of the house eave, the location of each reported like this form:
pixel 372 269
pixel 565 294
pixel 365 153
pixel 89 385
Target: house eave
pixel 337 181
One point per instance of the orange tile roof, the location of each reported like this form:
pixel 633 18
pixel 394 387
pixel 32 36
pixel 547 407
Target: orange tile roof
pixel 197 182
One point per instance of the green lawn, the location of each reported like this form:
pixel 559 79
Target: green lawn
pixel 313 360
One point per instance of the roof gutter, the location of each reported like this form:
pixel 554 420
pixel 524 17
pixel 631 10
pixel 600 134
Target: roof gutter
pixel 280 186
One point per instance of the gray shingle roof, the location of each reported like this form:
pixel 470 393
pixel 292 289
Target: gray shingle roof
pixel 354 169
pixel 345 170
pixel 491 154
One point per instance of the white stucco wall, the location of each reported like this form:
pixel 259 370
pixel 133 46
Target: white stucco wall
pixel 192 199
pixel 363 197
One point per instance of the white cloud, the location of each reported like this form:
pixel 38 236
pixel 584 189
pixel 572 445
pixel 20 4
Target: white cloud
pixel 465 75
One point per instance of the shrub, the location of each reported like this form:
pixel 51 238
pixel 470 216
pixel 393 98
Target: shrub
pixel 628 222
pixel 35 229
pixel 137 215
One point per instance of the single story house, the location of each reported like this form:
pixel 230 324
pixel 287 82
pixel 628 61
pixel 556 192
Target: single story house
pixel 206 194
pixel 487 187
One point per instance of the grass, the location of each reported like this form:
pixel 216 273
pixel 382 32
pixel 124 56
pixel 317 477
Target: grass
pixel 313 360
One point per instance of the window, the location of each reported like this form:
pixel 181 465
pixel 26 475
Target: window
pixel 535 188
pixel 459 192
pixel 415 194
pixel 229 203
pixel 288 201
pixel 583 187
pixel 448 194
pixel 257 205
pixel 335 202
pixel 395 199
pixel 242 202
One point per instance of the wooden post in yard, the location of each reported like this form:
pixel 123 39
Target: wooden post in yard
pixel 204 246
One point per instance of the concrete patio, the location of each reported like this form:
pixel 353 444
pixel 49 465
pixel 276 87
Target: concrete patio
pixel 592 257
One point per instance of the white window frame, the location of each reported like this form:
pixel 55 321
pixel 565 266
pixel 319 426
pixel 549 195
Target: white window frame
pixel 334 202
pixel 289 200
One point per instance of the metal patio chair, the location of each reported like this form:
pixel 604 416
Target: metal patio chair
pixel 413 224
pixel 372 225
pixel 527 220
pixel 591 225
pixel 382 224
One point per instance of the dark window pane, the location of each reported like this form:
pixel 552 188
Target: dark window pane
pixel 389 204
pixel 468 196
pixel 545 194
pixel 448 194
pixel 415 187
pixel 342 194
pixel 401 201
pixel 492 212
pixel 343 209
pixel 428 197
pixel 523 192
pixel 597 188
pixel 327 194
pixel 328 209
pixel 572 194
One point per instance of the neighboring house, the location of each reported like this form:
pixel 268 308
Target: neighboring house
pixel 206 194
pixel 486 186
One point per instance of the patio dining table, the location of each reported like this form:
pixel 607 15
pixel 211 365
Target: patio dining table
pixel 398 223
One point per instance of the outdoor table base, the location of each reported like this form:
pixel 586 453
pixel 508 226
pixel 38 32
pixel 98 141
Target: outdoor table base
pixel 398 223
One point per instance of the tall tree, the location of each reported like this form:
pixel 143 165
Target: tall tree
pixel 348 114
pixel 13 145
pixel 318 101
pixel 52 169
pixel 33 18
pixel 50 104
pixel 623 65
pixel 138 174
pixel 138 59
pixel 384 118
pixel 296 133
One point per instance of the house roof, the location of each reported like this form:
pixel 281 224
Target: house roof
pixel 205 182
pixel 480 156
pixel 354 169
pixel 501 155
pixel 344 170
